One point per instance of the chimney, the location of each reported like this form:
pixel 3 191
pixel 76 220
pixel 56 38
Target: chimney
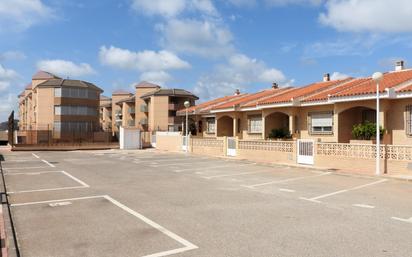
pixel 275 85
pixel 237 92
pixel 400 65
pixel 326 77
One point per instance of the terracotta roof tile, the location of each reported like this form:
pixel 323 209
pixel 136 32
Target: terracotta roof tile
pixel 247 98
pixel 145 84
pixel 206 106
pixel 326 93
pixel 44 75
pixel 390 79
pixel 300 92
pixel 121 92
pixel 253 103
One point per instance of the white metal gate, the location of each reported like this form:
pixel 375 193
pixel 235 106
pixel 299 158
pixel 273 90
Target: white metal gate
pixel 153 139
pixel 184 143
pixel 306 151
pixel 231 146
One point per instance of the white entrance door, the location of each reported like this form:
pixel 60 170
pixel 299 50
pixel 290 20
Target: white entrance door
pixel 231 146
pixel 306 151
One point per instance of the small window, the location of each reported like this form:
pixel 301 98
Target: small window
pixel 408 120
pixel 320 123
pixel 57 110
pixel 210 125
pixel 255 124
pixel 58 92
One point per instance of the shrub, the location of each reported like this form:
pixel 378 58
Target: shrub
pixel 280 133
pixel 366 131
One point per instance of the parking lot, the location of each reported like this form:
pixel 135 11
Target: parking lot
pixel 149 203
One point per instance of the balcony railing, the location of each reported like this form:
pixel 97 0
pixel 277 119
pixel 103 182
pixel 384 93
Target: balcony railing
pixel 131 123
pixel 173 107
pixel 172 120
pixel 131 110
pixel 143 108
pixel 143 121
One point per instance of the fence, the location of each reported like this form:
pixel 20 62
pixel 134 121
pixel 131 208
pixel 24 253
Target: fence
pixel 395 159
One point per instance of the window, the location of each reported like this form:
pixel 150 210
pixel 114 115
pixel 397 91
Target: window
pixel 74 92
pixel 255 124
pixel 57 92
pixel 75 110
pixel 210 125
pixel 408 120
pixel 320 123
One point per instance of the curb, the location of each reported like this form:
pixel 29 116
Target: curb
pixel 3 240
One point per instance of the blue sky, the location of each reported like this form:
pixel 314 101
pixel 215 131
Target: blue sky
pixel 210 47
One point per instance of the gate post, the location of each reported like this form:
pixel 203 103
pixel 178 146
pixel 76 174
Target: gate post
pixel 225 146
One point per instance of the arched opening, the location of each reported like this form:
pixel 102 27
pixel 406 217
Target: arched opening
pixel 225 126
pixel 353 116
pixel 276 124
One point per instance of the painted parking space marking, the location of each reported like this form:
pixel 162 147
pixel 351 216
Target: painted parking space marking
pixel 287 190
pixel 187 246
pixel 35 155
pixel 82 183
pixel 286 180
pixel 316 198
pixel 48 163
pixel 232 175
pixel 26 168
pixel 403 220
pixel 178 163
pixel 215 167
pixel 31 173
pixel 366 206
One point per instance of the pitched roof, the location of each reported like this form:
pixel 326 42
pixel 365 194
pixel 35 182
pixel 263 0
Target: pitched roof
pixel 206 106
pixel 28 86
pixel 300 92
pixel 121 92
pixel 44 75
pixel 130 99
pixel 254 102
pixel 68 83
pixel 103 97
pixel 145 84
pixel 389 80
pixel 324 95
pixel 170 92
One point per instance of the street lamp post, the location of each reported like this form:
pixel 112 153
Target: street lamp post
pixel 187 105
pixel 377 77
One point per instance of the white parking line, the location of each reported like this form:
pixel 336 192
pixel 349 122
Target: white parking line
pixel 286 180
pixel 187 245
pixel 35 155
pixel 48 163
pixel 286 190
pixel 366 206
pixel 26 168
pixel 403 220
pixel 21 160
pixel 236 174
pixel 178 163
pixel 215 167
pixel 83 184
pixel 32 173
pixel 344 190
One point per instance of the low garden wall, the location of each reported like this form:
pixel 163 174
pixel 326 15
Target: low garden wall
pixel 208 146
pixel 169 141
pixel 267 151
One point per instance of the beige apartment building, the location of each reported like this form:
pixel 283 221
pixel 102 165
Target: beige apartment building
pixel 150 108
pixel 61 108
pixel 325 111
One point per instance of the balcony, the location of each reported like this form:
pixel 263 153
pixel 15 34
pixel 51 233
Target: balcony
pixel 131 123
pixel 173 107
pixel 131 110
pixel 172 120
pixel 118 113
pixel 143 108
pixel 143 121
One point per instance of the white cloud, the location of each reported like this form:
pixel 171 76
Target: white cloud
pixel 243 3
pixel 12 56
pixel 239 72
pixel 172 8
pixel 204 38
pixel 7 78
pixel 65 68
pixel 156 77
pixel 22 14
pixel 142 61
pixel 337 76
pixel 288 2
pixel 368 15
pixel 8 102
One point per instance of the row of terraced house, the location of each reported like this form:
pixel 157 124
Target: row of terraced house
pixel 324 113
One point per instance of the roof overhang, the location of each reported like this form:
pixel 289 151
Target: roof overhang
pixel 231 109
